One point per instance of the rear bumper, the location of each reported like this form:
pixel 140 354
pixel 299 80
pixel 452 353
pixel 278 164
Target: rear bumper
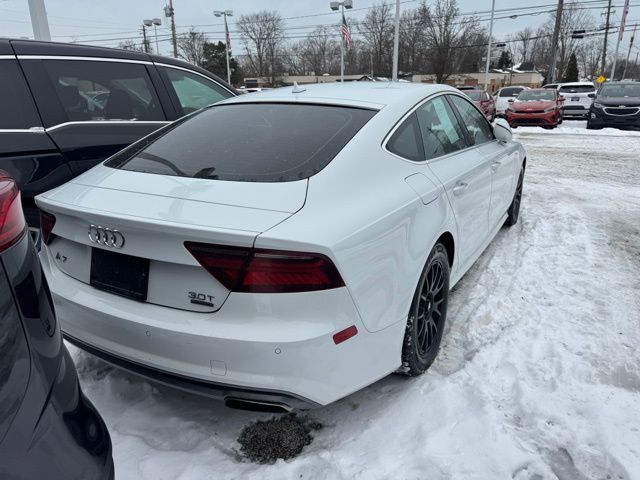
pixel 272 348
pixel 578 111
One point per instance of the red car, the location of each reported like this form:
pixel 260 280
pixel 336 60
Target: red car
pixel 484 102
pixel 536 107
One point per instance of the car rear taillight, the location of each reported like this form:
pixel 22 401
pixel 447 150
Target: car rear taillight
pixel 47 222
pixel 266 271
pixel 12 222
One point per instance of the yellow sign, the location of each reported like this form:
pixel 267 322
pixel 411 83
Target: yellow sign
pixel 601 79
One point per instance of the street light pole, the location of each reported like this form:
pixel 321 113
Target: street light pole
pixel 150 23
pixel 486 70
pixel 227 39
pixel 396 43
pixel 341 6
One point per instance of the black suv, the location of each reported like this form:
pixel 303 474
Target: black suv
pixel 64 107
pixel 617 104
pixel 48 428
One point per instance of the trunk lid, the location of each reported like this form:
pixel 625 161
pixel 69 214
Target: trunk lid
pixel 156 214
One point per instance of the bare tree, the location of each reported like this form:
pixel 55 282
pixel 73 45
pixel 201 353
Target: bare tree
pixel 377 29
pixel 412 40
pixel 524 42
pixel 321 50
pixel 446 36
pixel 131 45
pixel 191 47
pixel 263 36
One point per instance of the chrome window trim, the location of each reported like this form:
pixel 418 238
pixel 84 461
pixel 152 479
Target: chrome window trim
pixel 23 130
pixel 107 122
pixel 91 59
pixel 7 57
pixel 167 65
pixel 386 139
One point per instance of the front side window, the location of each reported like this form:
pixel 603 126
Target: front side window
pixel 94 90
pixel 477 125
pixel 16 106
pixel 193 91
pixel 441 133
pixel 248 142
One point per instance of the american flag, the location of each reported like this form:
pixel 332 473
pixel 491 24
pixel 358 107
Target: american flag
pixel 346 34
pixel 226 31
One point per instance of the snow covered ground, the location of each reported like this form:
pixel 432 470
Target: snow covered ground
pixel 538 376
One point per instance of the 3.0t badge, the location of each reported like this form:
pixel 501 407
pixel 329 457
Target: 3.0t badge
pixel 106 236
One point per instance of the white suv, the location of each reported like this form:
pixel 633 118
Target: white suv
pixel 503 96
pixel 578 98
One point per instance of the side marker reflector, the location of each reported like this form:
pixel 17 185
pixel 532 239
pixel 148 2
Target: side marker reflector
pixel 345 334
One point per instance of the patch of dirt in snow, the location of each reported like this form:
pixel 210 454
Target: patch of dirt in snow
pixel 284 437
pixel 538 375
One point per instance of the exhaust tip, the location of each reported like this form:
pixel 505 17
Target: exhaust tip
pixel 256 405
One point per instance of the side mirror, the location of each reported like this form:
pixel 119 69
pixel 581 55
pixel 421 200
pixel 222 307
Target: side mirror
pixel 561 98
pixel 592 95
pixel 511 100
pixel 502 130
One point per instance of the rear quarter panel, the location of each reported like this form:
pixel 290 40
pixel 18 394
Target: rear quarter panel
pixel 361 212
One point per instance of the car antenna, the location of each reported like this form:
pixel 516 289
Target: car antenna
pixel 297 88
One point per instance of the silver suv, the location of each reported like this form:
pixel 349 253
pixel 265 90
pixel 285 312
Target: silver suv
pixel 578 98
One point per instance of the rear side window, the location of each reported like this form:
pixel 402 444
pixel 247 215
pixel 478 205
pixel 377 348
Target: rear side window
pixel 193 91
pixel 477 125
pixel 93 90
pixel 406 141
pixel 510 91
pixel 16 106
pixel 441 132
pixel 577 89
pixel 250 142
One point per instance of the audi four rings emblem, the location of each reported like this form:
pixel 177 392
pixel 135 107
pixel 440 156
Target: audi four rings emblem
pixel 106 236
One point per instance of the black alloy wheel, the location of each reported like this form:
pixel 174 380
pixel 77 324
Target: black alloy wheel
pixel 427 314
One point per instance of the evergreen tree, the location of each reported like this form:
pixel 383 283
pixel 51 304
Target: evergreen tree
pixel 215 60
pixel 571 75
pixel 505 60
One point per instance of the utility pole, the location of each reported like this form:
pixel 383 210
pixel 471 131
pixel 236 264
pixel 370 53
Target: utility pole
pixel 171 14
pixel 554 46
pixel 603 67
pixel 396 43
pixel 39 21
pixel 626 64
pixel 145 45
pixel 620 35
pixel 486 70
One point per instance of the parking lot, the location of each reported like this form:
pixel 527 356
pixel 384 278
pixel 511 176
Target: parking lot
pixel 538 375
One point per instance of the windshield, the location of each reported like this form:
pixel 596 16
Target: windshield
pixel 577 89
pixel 536 96
pixel 247 142
pixel 628 90
pixel 475 96
pixel 510 92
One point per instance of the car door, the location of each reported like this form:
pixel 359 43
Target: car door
pixel 190 90
pixel 27 153
pixel 463 171
pixel 502 158
pixel 93 107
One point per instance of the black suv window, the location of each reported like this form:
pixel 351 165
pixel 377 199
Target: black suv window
pixel 248 142
pixel 94 90
pixel 16 106
pixel 193 91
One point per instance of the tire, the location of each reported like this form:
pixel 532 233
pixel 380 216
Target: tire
pixel 560 120
pixel 514 209
pixel 427 315
pixel 592 127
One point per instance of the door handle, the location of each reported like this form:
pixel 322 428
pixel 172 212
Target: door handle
pixel 460 188
pixel 495 166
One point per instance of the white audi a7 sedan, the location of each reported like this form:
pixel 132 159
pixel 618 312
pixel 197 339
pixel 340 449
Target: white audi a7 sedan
pixel 282 250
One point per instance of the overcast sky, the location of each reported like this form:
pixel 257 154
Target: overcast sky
pixel 107 22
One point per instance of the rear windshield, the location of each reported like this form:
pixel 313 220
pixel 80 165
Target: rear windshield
pixel 247 142
pixel 628 90
pixel 536 96
pixel 577 89
pixel 511 91
pixel 475 96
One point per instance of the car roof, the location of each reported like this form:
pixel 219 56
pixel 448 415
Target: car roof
pixel 375 95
